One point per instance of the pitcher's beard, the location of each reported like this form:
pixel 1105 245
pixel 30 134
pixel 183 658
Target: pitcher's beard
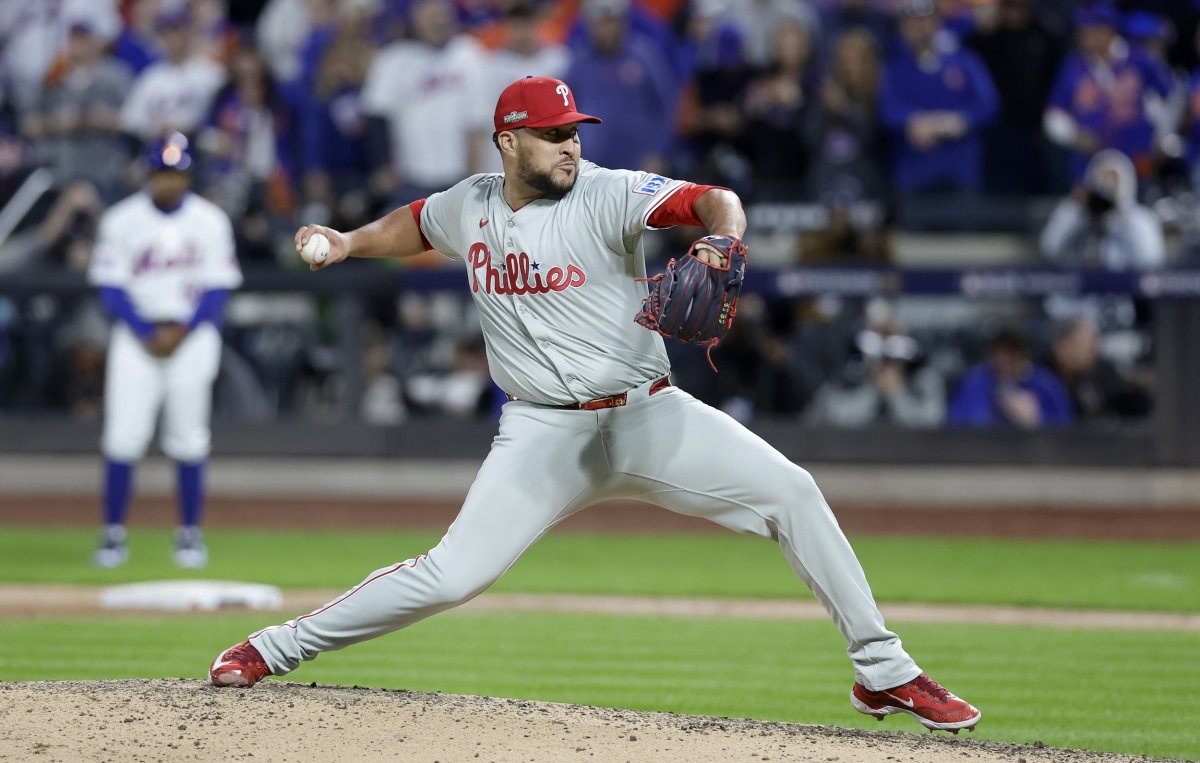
pixel 545 182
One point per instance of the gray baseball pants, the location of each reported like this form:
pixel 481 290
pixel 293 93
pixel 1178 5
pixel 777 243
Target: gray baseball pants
pixel 545 464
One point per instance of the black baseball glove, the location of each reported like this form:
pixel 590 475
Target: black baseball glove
pixel 693 301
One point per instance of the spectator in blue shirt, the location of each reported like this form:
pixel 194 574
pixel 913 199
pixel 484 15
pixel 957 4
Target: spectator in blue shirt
pixel 640 23
pixel 628 83
pixel 1009 390
pixel 249 155
pixel 137 45
pixel 934 100
pixel 711 40
pixel 334 125
pixel 1100 95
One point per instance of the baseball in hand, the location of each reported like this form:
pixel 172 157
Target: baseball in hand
pixel 315 250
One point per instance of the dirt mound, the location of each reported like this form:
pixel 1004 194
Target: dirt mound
pixel 185 719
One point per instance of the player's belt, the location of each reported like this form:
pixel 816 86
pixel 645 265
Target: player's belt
pixel 613 401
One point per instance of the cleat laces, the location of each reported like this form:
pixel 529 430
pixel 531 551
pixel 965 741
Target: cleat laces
pixel 927 685
pixel 247 656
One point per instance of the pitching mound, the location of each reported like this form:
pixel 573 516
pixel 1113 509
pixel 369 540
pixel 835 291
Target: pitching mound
pixel 138 720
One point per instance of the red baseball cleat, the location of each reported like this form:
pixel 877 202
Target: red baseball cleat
pixel 239 665
pixel 923 698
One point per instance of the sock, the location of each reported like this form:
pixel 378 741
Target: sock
pixel 118 481
pixel 191 493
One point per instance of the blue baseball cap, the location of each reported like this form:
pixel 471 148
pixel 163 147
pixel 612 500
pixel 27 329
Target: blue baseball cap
pixel 169 153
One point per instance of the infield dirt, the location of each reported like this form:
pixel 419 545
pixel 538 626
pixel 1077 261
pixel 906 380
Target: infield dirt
pixel 972 521
pixel 185 719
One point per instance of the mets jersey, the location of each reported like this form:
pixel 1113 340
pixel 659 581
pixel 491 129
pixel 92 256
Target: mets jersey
pixel 432 100
pixel 555 282
pixel 169 96
pixel 165 261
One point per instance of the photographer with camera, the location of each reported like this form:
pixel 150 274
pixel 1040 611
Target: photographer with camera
pixel 1101 224
pixel 885 381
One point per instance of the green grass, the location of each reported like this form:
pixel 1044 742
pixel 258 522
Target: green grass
pixel 1120 691
pixel 1100 575
pixel 1128 692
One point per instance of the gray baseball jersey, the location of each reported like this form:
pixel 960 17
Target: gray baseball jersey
pixel 556 287
pixel 555 281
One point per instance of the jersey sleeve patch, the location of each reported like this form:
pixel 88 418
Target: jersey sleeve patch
pixel 651 185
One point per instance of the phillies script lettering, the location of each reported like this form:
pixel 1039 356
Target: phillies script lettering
pixel 515 278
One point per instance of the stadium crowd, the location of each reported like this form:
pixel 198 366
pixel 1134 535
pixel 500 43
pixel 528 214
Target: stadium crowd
pixel 333 111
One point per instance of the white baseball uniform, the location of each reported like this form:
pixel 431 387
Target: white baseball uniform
pixel 433 100
pixel 164 261
pixel 168 96
pixel 555 285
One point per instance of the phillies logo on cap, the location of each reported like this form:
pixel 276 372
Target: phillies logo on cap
pixel 537 102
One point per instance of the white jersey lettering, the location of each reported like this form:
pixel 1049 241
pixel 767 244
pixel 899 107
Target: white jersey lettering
pixel 515 279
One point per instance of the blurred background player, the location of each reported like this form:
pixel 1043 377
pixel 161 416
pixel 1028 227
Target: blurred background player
pixel 165 263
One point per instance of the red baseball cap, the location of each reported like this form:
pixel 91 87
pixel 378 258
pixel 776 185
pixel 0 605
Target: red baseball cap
pixel 537 102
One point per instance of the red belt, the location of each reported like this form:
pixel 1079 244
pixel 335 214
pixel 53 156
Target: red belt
pixel 614 401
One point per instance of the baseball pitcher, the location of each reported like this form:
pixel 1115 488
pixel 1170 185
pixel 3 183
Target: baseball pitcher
pixel 164 263
pixel 552 249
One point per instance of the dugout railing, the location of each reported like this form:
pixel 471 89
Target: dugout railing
pixel 1169 437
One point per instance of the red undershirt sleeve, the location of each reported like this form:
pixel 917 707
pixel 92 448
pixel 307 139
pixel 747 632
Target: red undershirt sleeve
pixel 416 208
pixel 680 207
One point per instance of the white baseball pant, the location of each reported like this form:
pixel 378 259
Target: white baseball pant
pixel 139 387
